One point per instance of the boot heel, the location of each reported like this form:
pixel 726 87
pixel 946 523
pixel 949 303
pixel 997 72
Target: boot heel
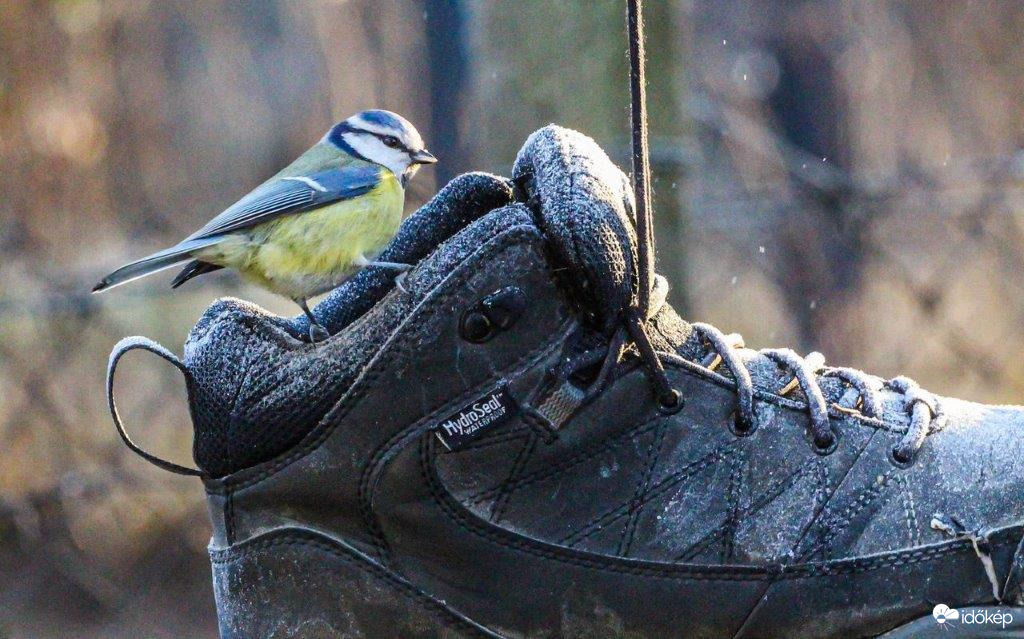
pixel 297 583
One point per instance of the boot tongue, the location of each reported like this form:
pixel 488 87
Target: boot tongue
pixel 584 205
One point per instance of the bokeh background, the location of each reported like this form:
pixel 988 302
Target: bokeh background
pixel 837 175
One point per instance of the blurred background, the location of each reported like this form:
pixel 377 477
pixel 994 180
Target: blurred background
pixel 836 175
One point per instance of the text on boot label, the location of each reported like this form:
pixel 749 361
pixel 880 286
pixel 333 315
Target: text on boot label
pixel 487 412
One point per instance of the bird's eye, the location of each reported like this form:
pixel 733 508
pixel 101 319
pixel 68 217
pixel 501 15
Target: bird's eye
pixel 390 141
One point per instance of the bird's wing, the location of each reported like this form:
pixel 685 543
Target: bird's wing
pixel 292 194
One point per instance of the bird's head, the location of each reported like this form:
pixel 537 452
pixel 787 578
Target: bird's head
pixel 384 138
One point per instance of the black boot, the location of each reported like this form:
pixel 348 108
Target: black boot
pixel 491 454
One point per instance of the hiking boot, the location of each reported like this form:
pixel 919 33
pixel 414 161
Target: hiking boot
pixel 520 444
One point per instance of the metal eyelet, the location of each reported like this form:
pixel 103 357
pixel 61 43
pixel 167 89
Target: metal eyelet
pixel 475 327
pixel 741 427
pixel 825 448
pixel 897 459
pixel 671 403
pixel 492 315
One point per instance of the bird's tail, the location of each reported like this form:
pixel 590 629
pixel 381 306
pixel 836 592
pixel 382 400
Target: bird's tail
pixel 153 263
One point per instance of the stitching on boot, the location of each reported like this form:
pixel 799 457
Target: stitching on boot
pixel 824 488
pixel 759 503
pixel 909 511
pixel 606 445
pixel 229 517
pixel 638 502
pixel 465 521
pixel 733 497
pixel 661 487
pixel 835 525
pixel 525 453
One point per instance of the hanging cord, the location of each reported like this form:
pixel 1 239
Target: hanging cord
pixel 637 315
pixel 558 399
pixel 641 151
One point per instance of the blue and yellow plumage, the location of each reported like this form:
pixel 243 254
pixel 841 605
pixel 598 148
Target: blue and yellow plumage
pixel 308 228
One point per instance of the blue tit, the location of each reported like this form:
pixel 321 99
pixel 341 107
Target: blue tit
pixel 310 227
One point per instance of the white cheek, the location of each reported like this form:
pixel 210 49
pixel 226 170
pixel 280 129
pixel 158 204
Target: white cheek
pixel 374 150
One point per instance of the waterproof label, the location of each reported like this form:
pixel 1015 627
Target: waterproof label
pixel 473 420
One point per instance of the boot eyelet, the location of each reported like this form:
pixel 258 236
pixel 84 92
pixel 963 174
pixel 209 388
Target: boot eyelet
pixel 741 427
pixel 671 403
pixel 493 314
pixel 475 327
pixel 900 459
pixel 825 448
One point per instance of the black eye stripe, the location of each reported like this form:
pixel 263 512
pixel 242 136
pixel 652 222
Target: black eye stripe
pixel 348 128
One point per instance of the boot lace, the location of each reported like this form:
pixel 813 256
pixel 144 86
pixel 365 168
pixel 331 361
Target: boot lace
pixel 924 408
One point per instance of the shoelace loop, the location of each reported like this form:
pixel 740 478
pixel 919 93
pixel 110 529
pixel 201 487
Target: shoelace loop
pixel 924 408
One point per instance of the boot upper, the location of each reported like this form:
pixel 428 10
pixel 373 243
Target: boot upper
pixel 588 488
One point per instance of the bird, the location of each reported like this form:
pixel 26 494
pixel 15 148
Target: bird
pixel 315 223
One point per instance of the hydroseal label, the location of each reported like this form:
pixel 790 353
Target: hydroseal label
pixel 470 422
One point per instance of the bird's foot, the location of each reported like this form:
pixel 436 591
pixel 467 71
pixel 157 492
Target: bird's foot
pixel 317 333
pixel 402 268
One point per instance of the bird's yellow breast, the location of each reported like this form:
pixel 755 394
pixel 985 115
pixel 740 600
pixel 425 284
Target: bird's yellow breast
pixel 305 254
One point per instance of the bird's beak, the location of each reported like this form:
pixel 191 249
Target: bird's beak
pixel 423 156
